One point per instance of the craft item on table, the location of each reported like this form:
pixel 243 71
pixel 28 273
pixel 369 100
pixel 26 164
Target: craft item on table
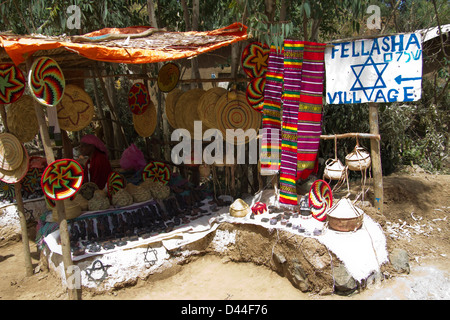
pixel 239 208
pixel 156 171
pixel 46 81
pixel 207 105
pixel 305 210
pixel 22 120
pixel 320 199
pixel 50 203
pixel 259 208
pixel 99 201
pixel 292 84
pixel 16 175
pixel 255 93
pixel 72 210
pixel 171 101
pixel 82 201
pixel 168 77
pixel 62 179
pixel 138 193
pixel 233 112
pixel 344 216
pixel 271 123
pixel 145 123
pixel 12 83
pixel 31 182
pixel 310 109
pixel 7 192
pixel 121 198
pixel 11 152
pixel 115 182
pixel 158 190
pixel 76 109
pixel 254 59
pixel 186 111
pixel 87 190
pixel 138 98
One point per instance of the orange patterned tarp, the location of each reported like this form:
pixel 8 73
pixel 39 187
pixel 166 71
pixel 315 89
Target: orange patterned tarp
pixel 158 47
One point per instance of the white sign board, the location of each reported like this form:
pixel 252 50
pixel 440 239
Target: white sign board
pixel 385 69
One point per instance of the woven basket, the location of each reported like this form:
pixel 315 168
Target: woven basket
pixel 14 176
pixel 171 100
pixel 186 110
pixel 82 201
pixel 145 124
pixel 75 110
pixel 345 217
pixel 358 159
pixel 122 198
pixel 157 189
pixel 334 169
pixel 239 208
pixel 207 104
pixel 138 193
pixel 72 210
pixel 22 121
pixel 99 201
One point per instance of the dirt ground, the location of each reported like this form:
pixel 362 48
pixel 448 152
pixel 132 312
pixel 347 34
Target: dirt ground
pixel 416 209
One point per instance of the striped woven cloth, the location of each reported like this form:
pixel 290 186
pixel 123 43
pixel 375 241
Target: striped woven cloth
pixel 270 148
pixel 293 61
pixel 310 108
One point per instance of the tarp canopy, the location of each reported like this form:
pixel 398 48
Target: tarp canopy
pixel 133 45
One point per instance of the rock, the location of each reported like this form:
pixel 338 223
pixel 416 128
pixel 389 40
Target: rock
pixel 299 277
pixel 344 283
pixel 400 260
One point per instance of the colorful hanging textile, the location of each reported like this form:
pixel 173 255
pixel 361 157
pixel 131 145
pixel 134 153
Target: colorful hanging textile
pixel 270 148
pixel 293 58
pixel 310 109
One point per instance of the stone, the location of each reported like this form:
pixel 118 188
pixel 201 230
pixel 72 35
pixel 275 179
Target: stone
pixel 344 283
pixel 299 277
pixel 400 260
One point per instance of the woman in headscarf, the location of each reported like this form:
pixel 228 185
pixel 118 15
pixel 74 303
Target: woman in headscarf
pixel 97 168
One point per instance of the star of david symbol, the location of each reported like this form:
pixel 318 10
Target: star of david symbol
pixel 150 251
pixel 97 265
pixel 367 70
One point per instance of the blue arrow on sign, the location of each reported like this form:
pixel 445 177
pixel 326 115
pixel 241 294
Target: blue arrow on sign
pixel 399 79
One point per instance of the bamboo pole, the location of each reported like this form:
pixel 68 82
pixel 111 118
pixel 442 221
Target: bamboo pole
pixel 20 210
pixel 376 158
pixel 74 294
pixel 351 135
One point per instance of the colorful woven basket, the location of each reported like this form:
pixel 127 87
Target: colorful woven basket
pixel 255 93
pixel 168 77
pixel 12 83
pixel 156 171
pixel 46 81
pixel 31 180
pixel 7 192
pixel 76 109
pixel 259 208
pixel 320 199
pixel 62 179
pixel 138 98
pixel 255 58
pixel 115 183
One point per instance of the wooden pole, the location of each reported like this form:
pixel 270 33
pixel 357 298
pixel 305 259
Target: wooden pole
pixel 20 210
pixel 376 158
pixel 74 293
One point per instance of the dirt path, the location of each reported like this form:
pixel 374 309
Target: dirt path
pixel 415 219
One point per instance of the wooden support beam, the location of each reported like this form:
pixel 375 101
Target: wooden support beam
pixel 351 135
pixel 376 158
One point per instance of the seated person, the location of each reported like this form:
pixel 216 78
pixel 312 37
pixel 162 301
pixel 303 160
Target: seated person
pixel 97 168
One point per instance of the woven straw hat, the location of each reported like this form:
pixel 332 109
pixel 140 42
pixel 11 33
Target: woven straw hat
pixel 207 104
pixel 186 109
pixel 145 124
pixel 233 112
pixel 22 121
pixel 239 208
pixel 75 110
pixel 11 152
pixel 14 176
pixel 171 100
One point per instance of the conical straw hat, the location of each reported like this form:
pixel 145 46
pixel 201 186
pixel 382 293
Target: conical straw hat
pixel 22 121
pixel 186 109
pixel 145 124
pixel 14 176
pixel 207 104
pixel 11 152
pixel 76 109
pixel 171 100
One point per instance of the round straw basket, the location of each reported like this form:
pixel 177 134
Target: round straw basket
pixel 14 176
pixel 76 109
pixel 145 124
pixel 171 100
pixel 186 110
pixel 11 152
pixel 22 121
pixel 207 105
